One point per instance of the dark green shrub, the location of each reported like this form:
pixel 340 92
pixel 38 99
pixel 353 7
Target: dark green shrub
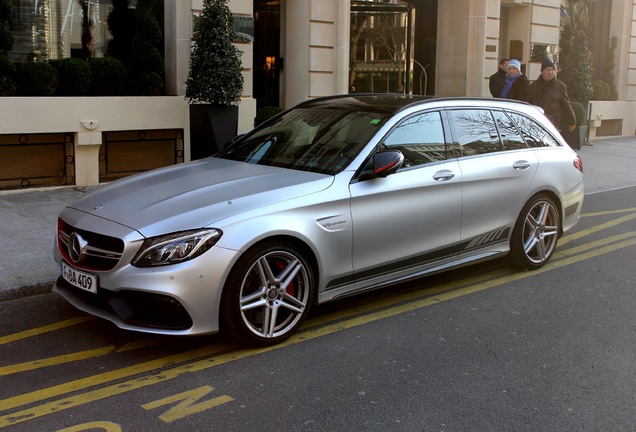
pixel 215 64
pixel 7 86
pixel 266 113
pixel 600 90
pixel 73 76
pixel 108 77
pixel 609 76
pixel 36 79
pixel 580 113
pixel 145 83
pixel 146 65
pixel 575 57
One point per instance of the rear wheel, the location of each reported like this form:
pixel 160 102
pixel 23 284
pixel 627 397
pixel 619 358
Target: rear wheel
pixel 268 295
pixel 536 233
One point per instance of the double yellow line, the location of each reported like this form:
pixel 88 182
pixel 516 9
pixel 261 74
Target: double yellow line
pixel 222 353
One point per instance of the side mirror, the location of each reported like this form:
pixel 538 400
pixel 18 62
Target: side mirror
pixel 383 164
pixel 387 162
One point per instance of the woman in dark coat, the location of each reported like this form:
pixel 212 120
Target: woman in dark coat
pixel 517 84
pixel 551 94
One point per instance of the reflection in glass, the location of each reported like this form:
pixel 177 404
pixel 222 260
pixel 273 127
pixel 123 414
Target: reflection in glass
pixel 52 29
pixel 420 139
pixel 476 132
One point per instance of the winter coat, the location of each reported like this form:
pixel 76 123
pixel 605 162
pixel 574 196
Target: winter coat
pixel 553 97
pixel 497 82
pixel 519 90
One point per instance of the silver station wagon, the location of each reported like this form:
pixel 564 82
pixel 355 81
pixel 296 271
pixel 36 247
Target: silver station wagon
pixel 334 197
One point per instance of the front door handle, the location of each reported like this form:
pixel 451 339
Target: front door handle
pixel 521 165
pixel 443 175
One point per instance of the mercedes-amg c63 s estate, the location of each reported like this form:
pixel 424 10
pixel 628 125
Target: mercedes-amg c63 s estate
pixel 336 196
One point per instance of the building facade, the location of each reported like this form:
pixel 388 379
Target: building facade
pixel 292 50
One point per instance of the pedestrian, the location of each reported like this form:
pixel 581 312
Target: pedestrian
pixel 517 85
pixel 551 94
pixel 497 80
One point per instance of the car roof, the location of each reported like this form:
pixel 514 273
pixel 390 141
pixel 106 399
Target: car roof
pixel 391 103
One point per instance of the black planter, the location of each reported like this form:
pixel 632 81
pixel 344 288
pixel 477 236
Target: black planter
pixel 211 126
pixel 576 138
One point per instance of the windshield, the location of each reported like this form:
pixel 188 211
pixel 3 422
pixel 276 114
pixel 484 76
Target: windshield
pixel 317 139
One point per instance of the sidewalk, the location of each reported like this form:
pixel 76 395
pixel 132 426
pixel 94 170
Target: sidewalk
pixel 28 218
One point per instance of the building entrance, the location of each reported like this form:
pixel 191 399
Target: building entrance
pixel 393 46
pixel 267 61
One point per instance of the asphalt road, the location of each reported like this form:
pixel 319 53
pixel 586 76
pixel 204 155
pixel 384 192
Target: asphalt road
pixel 485 348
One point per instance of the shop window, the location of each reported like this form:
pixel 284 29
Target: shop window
pixel 52 30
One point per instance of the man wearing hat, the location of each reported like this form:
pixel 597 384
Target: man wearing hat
pixel 516 85
pixel 551 94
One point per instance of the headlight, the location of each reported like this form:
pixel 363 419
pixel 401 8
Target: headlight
pixel 175 248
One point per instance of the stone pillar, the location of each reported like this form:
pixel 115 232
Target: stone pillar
pixel 461 41
pixel 87 146
pixel 177 44
pixel 343 45
pixel 296 51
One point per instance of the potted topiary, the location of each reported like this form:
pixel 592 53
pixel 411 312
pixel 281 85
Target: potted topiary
pixel 578 136
pixel 215 82
pixel 575 66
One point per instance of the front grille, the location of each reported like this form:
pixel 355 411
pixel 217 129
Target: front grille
pixel 100 252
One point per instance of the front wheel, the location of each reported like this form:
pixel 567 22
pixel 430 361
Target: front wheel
pixel 268 295
pixel 536 233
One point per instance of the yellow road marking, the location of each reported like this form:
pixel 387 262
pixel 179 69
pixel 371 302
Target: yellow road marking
pixel 609 212
pixel 580 234
pixel 81 384
pixel 44 329
pixel 51 361
pixel 203 364
pixel 77 356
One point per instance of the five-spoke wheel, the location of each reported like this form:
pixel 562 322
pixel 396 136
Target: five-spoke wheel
pixel 268 295
pixel 536 233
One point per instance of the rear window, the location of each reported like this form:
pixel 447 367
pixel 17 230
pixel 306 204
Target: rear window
pixel 534 134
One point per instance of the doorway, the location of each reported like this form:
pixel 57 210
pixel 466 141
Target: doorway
pixel 267 61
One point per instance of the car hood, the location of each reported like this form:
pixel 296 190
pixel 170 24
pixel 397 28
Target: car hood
pixel 196 194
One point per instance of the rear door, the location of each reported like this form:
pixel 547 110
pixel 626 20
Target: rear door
pixel 497 169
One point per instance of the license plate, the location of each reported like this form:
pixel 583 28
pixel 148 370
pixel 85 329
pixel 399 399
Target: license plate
pixel 79 279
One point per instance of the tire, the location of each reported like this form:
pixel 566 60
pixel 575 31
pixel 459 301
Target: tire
pixel 535 234
pixel 268 295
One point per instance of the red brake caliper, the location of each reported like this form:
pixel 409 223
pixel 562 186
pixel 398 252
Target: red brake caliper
pixel 280 265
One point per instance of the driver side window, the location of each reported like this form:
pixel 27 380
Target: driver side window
pixel 420 138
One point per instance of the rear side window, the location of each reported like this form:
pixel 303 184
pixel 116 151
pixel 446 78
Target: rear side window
pixel 475 131
pixel 510 135
pixel 534 134
pixel 420 138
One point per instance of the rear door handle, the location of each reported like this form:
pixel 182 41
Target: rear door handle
pixel 521 165
pixel 443 175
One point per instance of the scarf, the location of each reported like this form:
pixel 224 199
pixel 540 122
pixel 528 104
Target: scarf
pixel 509 82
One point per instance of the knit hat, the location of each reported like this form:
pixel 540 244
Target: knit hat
pixel 547 63
pixel 515 63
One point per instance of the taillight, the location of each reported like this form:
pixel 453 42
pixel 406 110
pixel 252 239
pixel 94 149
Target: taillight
pixel 578 163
